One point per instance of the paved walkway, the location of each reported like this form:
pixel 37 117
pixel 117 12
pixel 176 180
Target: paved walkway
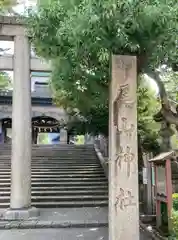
pixel 85 214
pixel 51 217
pixel 55 234
pixel 59 234
pixel 63 217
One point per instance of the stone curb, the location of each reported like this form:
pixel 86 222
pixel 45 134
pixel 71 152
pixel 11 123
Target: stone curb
pixel 153 234
pixel 33 224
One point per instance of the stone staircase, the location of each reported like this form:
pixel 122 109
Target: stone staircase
pixel 63 176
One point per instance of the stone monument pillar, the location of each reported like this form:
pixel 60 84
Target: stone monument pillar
pixel 20 202
pixel 123 159
pixel 63 136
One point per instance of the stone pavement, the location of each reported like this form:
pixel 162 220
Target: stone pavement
pixel 60 234
pixel 80 214
pixel 63 217
pixel 62 224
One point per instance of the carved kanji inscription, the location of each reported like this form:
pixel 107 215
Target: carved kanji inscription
pixel 129 158
pixel 123 149
pixel 124 199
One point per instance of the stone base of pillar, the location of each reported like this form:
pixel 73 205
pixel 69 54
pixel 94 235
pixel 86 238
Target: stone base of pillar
pixel 21 214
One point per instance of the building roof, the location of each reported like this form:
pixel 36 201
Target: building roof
pixel 163 157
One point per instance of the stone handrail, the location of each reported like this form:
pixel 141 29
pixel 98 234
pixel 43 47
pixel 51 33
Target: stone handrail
pixel 103 161
pixel 102 144
pixel 101 149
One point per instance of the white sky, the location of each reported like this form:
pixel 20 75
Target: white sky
pixel 23 4
pixel 20 8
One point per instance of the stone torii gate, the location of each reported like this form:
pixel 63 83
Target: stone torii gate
pixel 22 64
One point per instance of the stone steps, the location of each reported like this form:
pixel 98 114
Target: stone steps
pixel 41 176
pixel 61 176
pixel 55 145
pixel 38 164
pixel 57 171
pixel 67 183
pixel 67 204
pixel 62 192
pixel 50 159
pixel 59 198
pixel 68 150
pixel 57 156
pixel 63 188
pixel 56 180
pixel 56 167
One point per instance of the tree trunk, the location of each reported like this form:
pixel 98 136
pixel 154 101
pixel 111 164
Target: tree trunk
pixel 168 114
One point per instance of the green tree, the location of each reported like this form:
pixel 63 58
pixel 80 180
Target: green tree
pixel 5 81
pixel 170 80
pixel 79 37
pixel 147 107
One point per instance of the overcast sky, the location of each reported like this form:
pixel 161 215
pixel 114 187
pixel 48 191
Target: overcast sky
pixel 19 9
pixel 23 4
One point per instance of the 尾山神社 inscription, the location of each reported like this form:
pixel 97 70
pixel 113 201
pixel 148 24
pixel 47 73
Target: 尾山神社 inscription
pixel 124 209
pixel 123 129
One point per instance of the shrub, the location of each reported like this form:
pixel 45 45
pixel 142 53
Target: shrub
pixel 174 219
pixel 175 201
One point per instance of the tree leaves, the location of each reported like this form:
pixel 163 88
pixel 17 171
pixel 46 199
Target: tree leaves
pixel 5 81
pixel 79 36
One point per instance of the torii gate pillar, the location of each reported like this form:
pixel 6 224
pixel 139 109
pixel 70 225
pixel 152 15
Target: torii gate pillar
pixel 20 201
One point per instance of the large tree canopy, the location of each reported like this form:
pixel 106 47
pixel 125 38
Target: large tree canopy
pixel 79 37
